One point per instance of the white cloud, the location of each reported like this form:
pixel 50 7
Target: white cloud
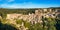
pixel 18 6
pixel 10 0
pixel 27 5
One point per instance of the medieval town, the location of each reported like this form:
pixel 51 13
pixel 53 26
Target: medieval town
pixel 32 18
pixel 37 16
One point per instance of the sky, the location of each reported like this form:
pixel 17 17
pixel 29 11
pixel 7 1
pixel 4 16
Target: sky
pixel 29 3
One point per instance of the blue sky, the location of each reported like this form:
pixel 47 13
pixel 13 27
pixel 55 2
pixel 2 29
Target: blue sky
pixel 29 3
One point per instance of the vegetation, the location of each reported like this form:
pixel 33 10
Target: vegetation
pixel 6 27
pixel 16 24
pixel 48 24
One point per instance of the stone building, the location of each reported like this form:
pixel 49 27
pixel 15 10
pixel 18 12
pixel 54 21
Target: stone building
pixel 13 16
pixel 58 13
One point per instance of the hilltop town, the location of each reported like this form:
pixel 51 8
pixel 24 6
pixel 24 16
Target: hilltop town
pixel 40 15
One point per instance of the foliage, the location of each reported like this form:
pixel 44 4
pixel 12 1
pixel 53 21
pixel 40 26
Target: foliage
pixel 6 27
pixel 36 26
pixel 27 24
pixel 57 24
pixel 19 21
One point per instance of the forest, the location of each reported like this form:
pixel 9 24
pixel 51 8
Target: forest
pixel 5 11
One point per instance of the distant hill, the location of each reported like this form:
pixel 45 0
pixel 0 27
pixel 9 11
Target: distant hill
pixel 22 10
pixel 55 7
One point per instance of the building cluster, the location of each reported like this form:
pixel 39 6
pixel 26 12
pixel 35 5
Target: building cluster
pixel 37 16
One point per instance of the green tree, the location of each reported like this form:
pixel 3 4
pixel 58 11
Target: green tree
pixel 51 23
pixel 19 21
pixel 27 24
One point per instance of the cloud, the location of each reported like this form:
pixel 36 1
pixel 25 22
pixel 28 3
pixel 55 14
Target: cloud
pixel 17 6
pixel 27 5
pixel 10 0
pixel 23 5
pixel 20 6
